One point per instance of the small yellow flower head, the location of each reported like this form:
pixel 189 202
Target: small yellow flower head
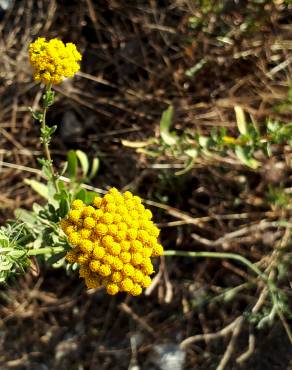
pixel 114 240
pixel 53 60
pixel 89 223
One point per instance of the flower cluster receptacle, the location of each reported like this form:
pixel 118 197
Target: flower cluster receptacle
pixel 114 240
pixel 53 60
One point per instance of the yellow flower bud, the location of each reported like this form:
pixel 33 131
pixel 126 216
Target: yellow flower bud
pixel 97 202
pixel 136 259
pixel 77 204
pixel 89 223
pixel 112 289
pixel 94 265
pixel 136 290
pixel 98 252
pixel 86 246
pixel 88 211
pixel 74 238
pixel 126 285
pixel 104 270
pixel 157 250
pixel 117 276
pixel 74 215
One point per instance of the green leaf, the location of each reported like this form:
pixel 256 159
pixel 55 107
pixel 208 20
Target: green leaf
pixel 166 120
pixel 94 168
pixel 25 216
pixel 89 197
pixel 81 195
pixel 240 120
pixel 83 159
pixel 192 153
pixel 38 187
pixel 72 164
pixel 243 155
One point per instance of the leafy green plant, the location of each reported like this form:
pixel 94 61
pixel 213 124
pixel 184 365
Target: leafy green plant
pixel 190 147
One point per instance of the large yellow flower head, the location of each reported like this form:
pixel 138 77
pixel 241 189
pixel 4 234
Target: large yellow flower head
pixel 114 240
pixel 53 60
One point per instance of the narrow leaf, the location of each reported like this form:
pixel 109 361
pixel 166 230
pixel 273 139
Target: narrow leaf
pixel 83 161
pixel 240 120
pixel 165 122
pixel 38 187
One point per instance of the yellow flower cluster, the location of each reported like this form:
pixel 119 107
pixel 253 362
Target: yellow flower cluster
pixel 114 240
pixel 53 60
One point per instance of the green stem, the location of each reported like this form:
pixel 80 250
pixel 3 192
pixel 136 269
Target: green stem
pixel 39 251
pixel 232 256
pixel 46 145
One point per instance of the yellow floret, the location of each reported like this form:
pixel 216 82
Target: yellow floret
pixel 74 238
pixel 108 259
pixel 97 214
pixel 74 215
pixel 85 233
pixel 107 218
pixel 122 226
pixel 120 235
pixel 113 229
pixel 77 204
pixel 107 241
pixel 146 252
pixel 92 282
pixel 125 245
pixel 70 229
pixel 114 249
pixel 157 250
pixel 98 252
pixel 128 270
pixel 134 214
pixel 126 285
pixel 147 267
pixel 136 290
pixel 143 236
pixel 130 204
pixel 82 259
pixel 122 210
pixel 86 246
pixel 152 241
pixel 97 201
pixel 136 258
pixel 108 198
pixel 146 281
pixel 155 231
pixel 112 288
pixel 94 265
pixel 125 257
pixel 137 200
pixel 128 195
pixel 84 271
pixel 117 276
pixel 88 211
pixel 89 223
pixel 136 246
pixel 117 218
pixel 101 229
pixel 110 207
pixel 104 270
pixel 138 276
pixel 71 256
pixel 117 264
pixel 64 224
pixel 132 234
